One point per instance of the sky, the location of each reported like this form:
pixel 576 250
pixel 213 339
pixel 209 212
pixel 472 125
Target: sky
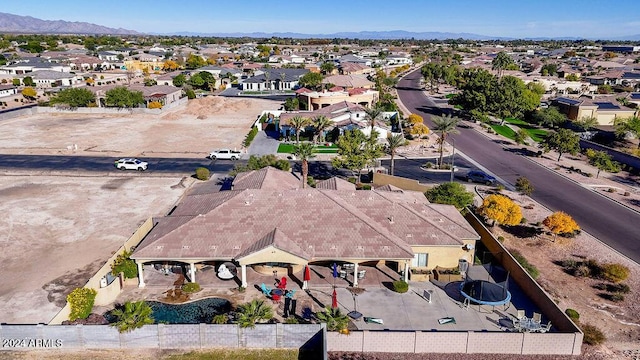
pixel 601 19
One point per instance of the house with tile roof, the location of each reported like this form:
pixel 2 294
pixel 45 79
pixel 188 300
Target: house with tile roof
pixel 269 221
pixel 605 108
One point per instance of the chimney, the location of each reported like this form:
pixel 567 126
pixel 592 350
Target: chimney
pixel 391 219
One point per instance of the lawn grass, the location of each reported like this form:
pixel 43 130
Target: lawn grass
pixel 504 130
pixel 518 122
pixel 320 149
pixel 233 354
pixel 538 135
pixel 535 133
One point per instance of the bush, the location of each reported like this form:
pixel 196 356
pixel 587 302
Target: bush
pixel 501 238
pixel 400 286
pixel 530 268
pixel 592 335
pixel 220 319
pixel 614 272
pixel 250 136
pixel 155 105
pixel 81 302
pixel 572 314
pixel 124 264
pixel 190 94
pixel 202 173
pixel 191 287
pixel 617 297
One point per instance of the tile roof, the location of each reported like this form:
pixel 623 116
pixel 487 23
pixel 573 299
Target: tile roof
pixel 335 183
pixel 312 224
pixel 348 81
pixel 266 178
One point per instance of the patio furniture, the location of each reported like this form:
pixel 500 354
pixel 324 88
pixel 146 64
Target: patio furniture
pixel 537 317
pixel 527 325
pixel 361 274
pixel 289 294
pixel 265 289
pixel 343 274
pixel 224 273
pixel 283 283
pixel 520 314
pixel 545 328
pixel 372 320
pixel 276 294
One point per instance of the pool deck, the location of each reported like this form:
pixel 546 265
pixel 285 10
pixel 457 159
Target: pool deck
pixel 408 311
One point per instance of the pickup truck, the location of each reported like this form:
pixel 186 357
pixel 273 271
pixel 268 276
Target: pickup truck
pixel 225 154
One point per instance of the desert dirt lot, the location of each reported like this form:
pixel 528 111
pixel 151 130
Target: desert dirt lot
pixel 56 231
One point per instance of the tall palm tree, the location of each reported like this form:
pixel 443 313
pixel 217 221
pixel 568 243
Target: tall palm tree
pixel 393 143
pixel 320 123
pixel 334 319
pixel 304 152
pixel 444 125
pixel 251 312
pixel 501 62
pixel 132 315
pixel 298 123
pixel 373 113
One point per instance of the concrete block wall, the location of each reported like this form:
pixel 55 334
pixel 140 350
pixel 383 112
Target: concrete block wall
pixel 494 343
pixel 441 342
pixel 390 341
pixel 561 344
pixel 352 342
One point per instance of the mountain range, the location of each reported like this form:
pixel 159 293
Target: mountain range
pixel 10 23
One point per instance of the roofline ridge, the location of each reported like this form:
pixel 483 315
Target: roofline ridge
pixel 417 213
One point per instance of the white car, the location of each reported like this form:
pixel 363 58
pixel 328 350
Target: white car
pixel 131 164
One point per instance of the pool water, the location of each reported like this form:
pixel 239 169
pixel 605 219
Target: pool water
pixel 201 311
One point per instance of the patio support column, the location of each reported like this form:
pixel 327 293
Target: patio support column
pixel 192 272
pixel 243 267
pixel 140 275
pixel 406 271
pixel 355 275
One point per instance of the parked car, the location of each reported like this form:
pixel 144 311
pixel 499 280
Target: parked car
pixel 225 154
pixel 480 177
pixel 131 164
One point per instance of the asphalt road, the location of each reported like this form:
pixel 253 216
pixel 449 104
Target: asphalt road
pixel 613 224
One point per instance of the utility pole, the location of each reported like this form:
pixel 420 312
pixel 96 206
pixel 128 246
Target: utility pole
pixel 453 155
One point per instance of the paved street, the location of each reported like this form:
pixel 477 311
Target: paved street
pixel 611 223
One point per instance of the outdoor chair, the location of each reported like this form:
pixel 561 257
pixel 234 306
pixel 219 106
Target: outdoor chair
pixel 520 315
pixel 546 328
pixel 361 274
pixel 265 290
pixel 289 294
pixel 537 318
pixel 283 283
pixel 343 274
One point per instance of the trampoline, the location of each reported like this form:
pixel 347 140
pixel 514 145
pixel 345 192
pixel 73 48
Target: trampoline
pixel 483 292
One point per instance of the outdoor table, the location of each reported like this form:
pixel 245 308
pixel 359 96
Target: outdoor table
pixel 276 294
pixel 529 325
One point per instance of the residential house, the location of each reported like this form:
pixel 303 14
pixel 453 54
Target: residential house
pixel 33 64
pixel 315 100
pixel 349 81
pixel 8 90
pixel 268 222
pixel 45 79
pixel 164 94
pixel 273 79
pixel 604 108
pixel 349 68
pixel 109 56
pixel 355 59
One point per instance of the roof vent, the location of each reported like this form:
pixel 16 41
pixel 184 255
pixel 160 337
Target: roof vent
pixel 360 247
pixel 213 247
pixel 440 220
pixel 333 247
pixel 391 218
pixel 370 197
pixel 237 247
pixel 310 246
pixel 247 202
pixel 385 248
pixel 185 247
pixel 409 235
pixel 159 247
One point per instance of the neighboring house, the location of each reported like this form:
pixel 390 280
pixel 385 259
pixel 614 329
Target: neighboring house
pixel 604 108
pixel 349 68
pixel 108 56
pixel 164 94
pixel 49 79
pixel 88 63
pixel 33 64
pixel 621 48
pixel 349 81
pixel 315 100
pixel 273 79
pixel 634 98
pixel 167 79
pixel 355 59
pixel 136 65
pixel 268 222
pixel 398 60
pixel 8 90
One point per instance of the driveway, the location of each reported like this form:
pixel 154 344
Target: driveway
pixel 263 144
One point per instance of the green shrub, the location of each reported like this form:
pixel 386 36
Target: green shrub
pixel 400 286
pixel 191 287
pixel 501 238
pixel 250 136
pixel 352 180
pixel 530 268
pixel 311 181
pixel 614 272
pixel 291 320
pixel 592 335
pixel 220 319
pixel 572 314
pixel 619 288
pixel 202 173
pixel 81 302
pixel 124 264
pixel 366 187
pixel 616 297
pixel 190 94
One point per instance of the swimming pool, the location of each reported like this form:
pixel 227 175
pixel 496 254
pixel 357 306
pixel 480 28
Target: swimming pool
pixel 201 311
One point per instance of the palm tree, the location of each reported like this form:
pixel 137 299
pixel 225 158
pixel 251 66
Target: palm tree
pixel 444 125
pixel 628 125
pixel 132 315
pixel 252 312
pixel 320 123
pixel 501 62
pixel 298 123
pixel 304 152
pixel 373 113
pixel 334 319
pixel 393 143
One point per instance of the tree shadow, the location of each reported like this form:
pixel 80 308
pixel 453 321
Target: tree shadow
pixel 523 231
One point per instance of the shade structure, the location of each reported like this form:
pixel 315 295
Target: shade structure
pixel 334 299
pixel 334 267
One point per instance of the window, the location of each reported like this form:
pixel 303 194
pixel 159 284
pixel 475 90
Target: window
pixel 420 260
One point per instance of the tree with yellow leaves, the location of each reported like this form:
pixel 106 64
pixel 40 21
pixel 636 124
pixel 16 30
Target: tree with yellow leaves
pixel 560 223
pixel 415 119
pixel 501 209
pixel 419 130
pixel 170 65
pixel 29 93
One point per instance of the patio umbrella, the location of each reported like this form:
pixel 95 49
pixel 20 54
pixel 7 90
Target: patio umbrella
pixel 334 299
pixel 307 277
pixel 334 267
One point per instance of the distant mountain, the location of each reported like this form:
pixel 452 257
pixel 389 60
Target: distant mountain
pixel 370 35
pixel 10 23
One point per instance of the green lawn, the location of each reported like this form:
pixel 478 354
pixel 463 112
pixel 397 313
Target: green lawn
pixel 535 133
pixel 320 149
pixel 518 122
pixel 504 130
